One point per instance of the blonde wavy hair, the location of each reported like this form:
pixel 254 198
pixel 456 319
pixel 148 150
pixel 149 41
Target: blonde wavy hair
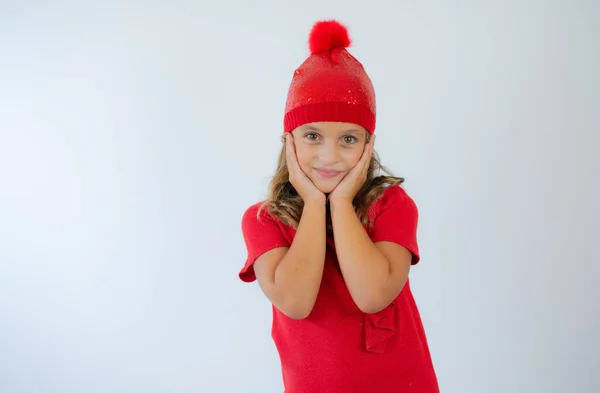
pixel 284 203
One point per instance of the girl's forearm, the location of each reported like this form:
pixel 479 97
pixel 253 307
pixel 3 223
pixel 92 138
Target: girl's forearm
pixel 365 269
pixel 299 274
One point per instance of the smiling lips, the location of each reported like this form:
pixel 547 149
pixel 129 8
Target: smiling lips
pixel 327 174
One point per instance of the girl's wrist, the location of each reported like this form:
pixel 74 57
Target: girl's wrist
pixel 340 201
pixel 316 202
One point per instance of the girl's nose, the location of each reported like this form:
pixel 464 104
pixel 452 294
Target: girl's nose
pixel 328 153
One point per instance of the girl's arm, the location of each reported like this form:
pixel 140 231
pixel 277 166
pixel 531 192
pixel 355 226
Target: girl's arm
pixel 374 272
pixel 291 277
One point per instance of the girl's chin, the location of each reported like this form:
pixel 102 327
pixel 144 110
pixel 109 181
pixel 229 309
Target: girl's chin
pixel 327 187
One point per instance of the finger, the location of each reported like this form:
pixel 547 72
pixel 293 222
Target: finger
pixel 372 144
pixel 367 153
pixel 291 158
pixel 359 168
pixel 289 146
pixel 366 159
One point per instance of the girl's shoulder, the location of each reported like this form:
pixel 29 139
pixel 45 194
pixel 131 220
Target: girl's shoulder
pixel 394 203
pixel 258 215
pixel 254 208
pixel 256 211
pixel 393 195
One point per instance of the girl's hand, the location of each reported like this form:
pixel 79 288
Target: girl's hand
pixel 346 190
pixel 303 185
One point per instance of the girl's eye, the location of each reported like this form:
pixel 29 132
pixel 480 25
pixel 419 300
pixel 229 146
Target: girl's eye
pixel 311 136
pixel 349 139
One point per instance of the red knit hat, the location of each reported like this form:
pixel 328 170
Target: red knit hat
pixel 330 85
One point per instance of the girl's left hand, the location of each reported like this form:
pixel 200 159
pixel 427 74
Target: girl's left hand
pixel 355 178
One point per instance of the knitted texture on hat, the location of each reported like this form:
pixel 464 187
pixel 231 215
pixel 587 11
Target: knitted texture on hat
pixel 330 85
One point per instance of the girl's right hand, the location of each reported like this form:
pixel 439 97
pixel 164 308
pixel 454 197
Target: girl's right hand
pixel 303 185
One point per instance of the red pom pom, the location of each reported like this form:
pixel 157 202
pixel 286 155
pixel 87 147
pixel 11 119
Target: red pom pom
pixel 326 35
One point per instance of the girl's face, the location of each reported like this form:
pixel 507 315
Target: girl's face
pixel 327 151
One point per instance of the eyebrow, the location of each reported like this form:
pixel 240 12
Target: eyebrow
pixel 345 131
pixel 311 128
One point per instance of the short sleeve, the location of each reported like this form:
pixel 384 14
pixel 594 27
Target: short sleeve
pixel 261 234
pixel 396 221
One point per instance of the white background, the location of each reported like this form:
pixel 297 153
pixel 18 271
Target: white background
pixel 134 135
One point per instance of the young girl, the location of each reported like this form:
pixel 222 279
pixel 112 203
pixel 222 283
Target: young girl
pixel 332 246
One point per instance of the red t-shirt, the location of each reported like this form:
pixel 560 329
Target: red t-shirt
pixel 338 348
